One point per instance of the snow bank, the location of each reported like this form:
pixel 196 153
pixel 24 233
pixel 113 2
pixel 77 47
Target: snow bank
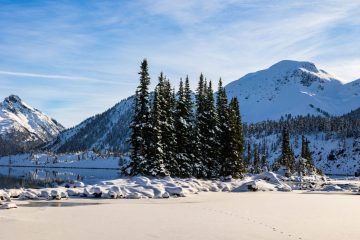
pixel 144 187
pixel 266 181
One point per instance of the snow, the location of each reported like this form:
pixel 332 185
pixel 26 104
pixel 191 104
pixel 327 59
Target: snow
pixel 16 115
pixel 290 87
pixel 143 187
pixel 206 216
pixel 321 146
pixel 112 122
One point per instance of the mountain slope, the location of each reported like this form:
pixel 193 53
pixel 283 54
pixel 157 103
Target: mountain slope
pixel 106 131
pixel 23 127
pixel 288 87
pixel 291 87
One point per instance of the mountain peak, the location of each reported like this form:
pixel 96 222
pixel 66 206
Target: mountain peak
pixel 291 65
pixel 292 87
pixel 14 103
pixel 13 98
pixel 22 126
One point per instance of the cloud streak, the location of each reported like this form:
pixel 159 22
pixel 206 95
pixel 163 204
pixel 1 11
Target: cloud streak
pixel 89 58
pixel 61 77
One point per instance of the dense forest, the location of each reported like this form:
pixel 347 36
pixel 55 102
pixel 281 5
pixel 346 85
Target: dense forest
pixel 170 136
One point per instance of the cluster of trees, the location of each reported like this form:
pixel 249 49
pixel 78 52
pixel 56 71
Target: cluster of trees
pixel 304 165
pixel 201 135
pixel 346 126
pixel 172 135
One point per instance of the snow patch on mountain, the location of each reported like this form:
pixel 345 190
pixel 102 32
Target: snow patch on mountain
pixel 23 127
pixel 292 87
pixel 106 131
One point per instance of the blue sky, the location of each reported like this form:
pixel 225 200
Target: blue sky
pixel 74 59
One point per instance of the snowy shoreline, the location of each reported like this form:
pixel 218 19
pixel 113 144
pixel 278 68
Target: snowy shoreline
pixel 223 215
pixel 144 187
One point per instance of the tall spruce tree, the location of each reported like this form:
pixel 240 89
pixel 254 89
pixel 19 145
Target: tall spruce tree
pixel 263 157
pixel 141 126
pixel 210 143
pixel 306 164
pixel 287 157
pixel 189 103
pixel 200 168
pixel 183 128
pixel 224 135
pixel 166 101
pixel 234 165
pixel 256 167
pixel 156 155
pixel 248 157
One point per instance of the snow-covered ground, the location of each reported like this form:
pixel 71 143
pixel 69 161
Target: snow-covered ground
pixel 206 216
pixel 263 206
pixel 142 187
pixel 346 151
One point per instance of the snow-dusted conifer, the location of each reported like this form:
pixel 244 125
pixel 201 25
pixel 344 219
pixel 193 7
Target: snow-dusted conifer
pixel 287 157
pixel 141 126
pixel 210 144
pixel 223 129
pixel 166 101
pixel 256 167
pixel 199 169
pixel 183 128
pixel 234 165
pixel 156 155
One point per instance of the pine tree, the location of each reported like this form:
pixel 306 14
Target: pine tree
pixel 263 157
pixel 210 143
pixel 256 161
pixel 249 157
pixel 306 164
pixel 183 128
pixel 287 157
pixel 156 152
pixel 224 135
pixel 200 168
pixel 234 165
pixel 141 126
pixel 166 101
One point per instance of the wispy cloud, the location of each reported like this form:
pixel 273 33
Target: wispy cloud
pixel 87 60
pixel 61 77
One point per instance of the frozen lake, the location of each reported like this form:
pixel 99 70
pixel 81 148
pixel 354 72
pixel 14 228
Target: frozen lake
pixel 31 176
pixel 205 216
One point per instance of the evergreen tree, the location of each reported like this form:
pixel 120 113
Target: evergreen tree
pixel 156 152
pixel 142 130
pixel 209 141
pixel 256 161
pixel 224 135
pixel 234 165
pixel 306 164
pixel 200 168
pixel 184 128
pixel 263 157
pixel 249 157
pixel 287 158
pixel 166 101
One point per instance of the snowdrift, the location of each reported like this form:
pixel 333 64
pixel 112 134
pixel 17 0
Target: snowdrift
pixel 144 187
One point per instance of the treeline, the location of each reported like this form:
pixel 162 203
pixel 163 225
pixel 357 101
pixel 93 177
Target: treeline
pixel 346 126
pixel 303 166
pixel 174 135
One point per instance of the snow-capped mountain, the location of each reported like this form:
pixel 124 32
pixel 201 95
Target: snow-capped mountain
pixel 23 127
pixel 106 131
pixel 288 87
pixel 292 87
